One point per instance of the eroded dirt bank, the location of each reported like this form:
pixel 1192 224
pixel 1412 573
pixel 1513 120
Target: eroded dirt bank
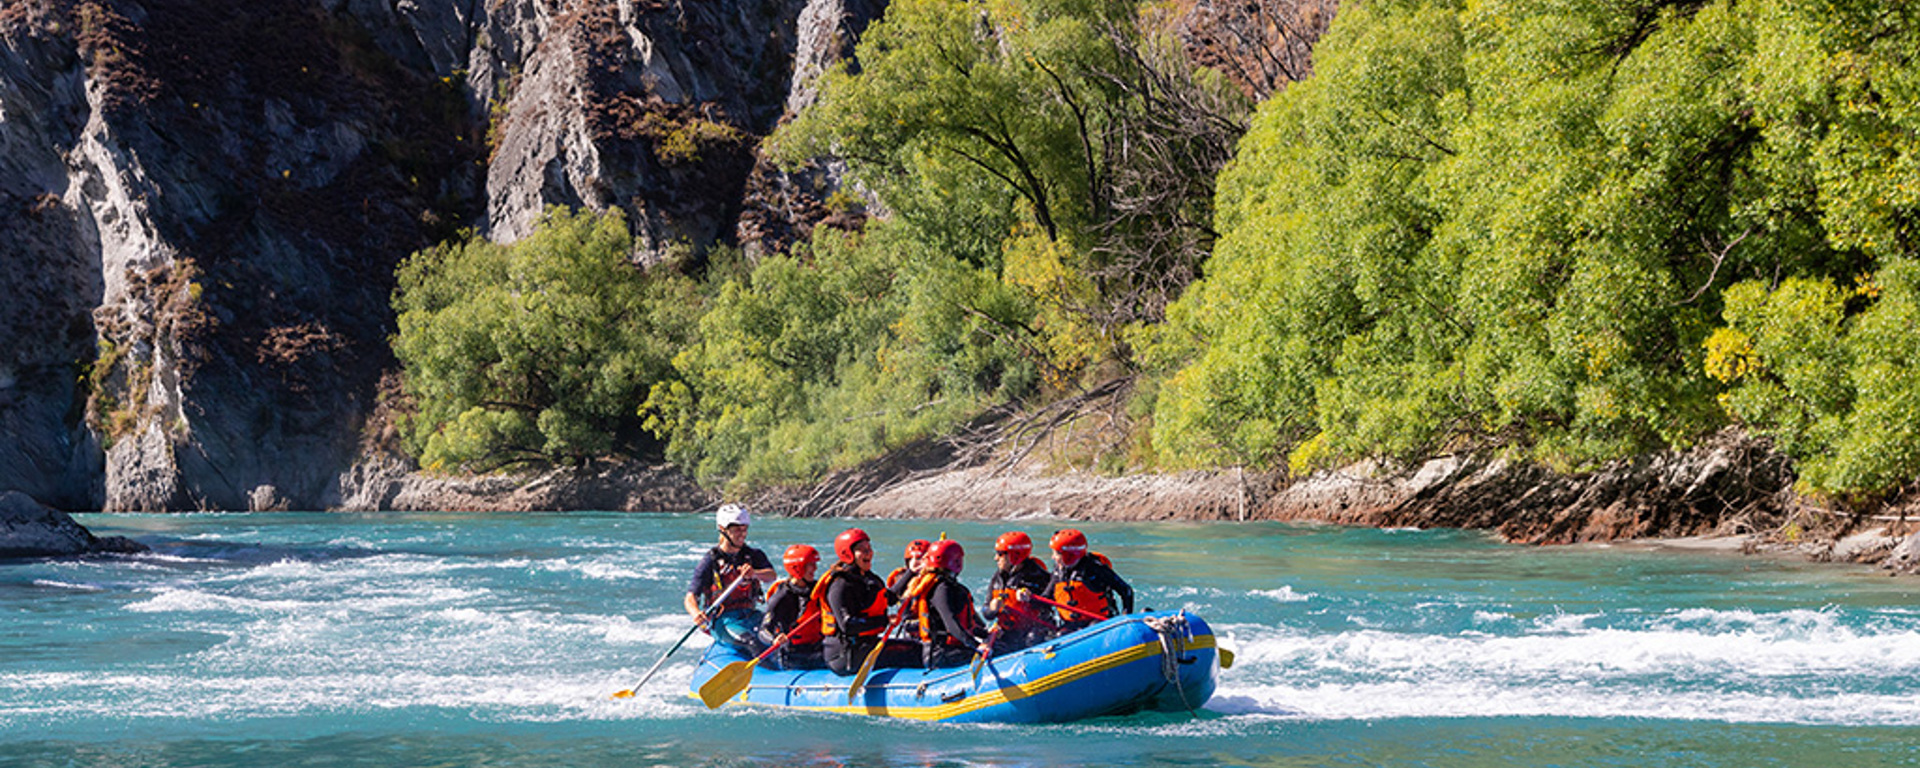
pixel 1732 490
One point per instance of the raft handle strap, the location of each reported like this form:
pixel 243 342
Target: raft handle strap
pixel 1174 633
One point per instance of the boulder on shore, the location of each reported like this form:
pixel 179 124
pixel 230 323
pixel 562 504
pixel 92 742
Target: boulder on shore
pixel 29 529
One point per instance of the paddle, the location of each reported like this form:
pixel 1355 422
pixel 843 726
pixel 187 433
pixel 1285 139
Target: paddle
pixel 733 678
pixel 980 659
pixel 717 601
pixel 860 680
pixel 1065 607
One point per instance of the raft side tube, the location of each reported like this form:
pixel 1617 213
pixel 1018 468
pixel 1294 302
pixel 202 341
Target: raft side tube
pixel 1164 661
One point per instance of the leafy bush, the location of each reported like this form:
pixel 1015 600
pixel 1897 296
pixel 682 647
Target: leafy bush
pixel 537 351
pixel 855 344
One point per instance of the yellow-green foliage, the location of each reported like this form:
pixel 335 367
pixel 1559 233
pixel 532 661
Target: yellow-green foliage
pixel 1051 274
pixel 535 351
pixel 679 142
pixel 996 130
pixel 1517 222
pixel 831 356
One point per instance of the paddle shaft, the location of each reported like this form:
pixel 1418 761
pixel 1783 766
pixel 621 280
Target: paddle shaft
pixel 735 677
pixel 980 658
pixel 1064 606
pixel 718 600
pixel 860 680
pixel 785 636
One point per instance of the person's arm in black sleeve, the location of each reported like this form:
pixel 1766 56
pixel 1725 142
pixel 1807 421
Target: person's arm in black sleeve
pixel 946 601
pixel 702 576
pixel 763 571
pixel 1125 590
pixel 837 605
pixel 697 589
pixel 778 619
pixel 1037 580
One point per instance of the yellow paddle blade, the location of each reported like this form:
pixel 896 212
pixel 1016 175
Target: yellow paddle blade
pixel 626 694
pixel 860 680
pixel 1226 657
pixel 727 683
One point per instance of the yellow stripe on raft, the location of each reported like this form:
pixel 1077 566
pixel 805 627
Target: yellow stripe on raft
pixel 1008 693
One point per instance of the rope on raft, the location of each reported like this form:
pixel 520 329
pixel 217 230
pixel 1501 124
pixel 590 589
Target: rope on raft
pixel 1174 632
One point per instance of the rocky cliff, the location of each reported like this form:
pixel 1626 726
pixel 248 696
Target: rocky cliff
pixel 202 203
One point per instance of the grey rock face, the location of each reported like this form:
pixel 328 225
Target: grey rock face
pixel 28 529
pixel 1905 558
pixel 202 203
pixel 650 107
pixel 205 202
pixel 828 31
pixel 53 278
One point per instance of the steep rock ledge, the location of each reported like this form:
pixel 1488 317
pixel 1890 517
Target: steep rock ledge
pixel 218 191
pixel 29 530
pixel 206 200
pixel 1729 484
pixel 598 486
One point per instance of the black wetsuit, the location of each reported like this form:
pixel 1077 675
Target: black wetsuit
pixel 953 629
pixel 1020 625
pixel 1098 577
pixel 785 605
pixel 849 596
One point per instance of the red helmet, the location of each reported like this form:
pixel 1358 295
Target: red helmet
pixel 947 554
pixel 1014 543
pixel 843 543
pixel 917 547
pixel 799 556
pixel 1071 544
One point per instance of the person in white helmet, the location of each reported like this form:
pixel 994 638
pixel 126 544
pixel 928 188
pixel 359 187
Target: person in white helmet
pixel 737 619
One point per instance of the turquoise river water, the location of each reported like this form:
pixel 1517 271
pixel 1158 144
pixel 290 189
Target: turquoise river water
pixel 494 640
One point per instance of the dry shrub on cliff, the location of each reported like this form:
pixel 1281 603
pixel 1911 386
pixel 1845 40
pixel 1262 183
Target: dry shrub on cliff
pixel 1261 44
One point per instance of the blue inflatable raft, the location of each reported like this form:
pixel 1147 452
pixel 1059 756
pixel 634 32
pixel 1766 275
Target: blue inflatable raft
pixel 1160 661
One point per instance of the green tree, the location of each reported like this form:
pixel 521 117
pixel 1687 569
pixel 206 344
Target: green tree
pixel 1072 148
pixel 1825 361
pixel 536 351
pixel 1515 223
pixel 854 344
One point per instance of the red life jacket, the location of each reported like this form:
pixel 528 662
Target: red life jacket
pixel 744 596
pixel 829 626
pixel 1079 595
pixel 921 593
pixel 809 630
pixel 906 599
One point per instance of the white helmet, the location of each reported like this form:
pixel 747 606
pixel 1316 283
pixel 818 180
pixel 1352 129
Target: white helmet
pixel 731 514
